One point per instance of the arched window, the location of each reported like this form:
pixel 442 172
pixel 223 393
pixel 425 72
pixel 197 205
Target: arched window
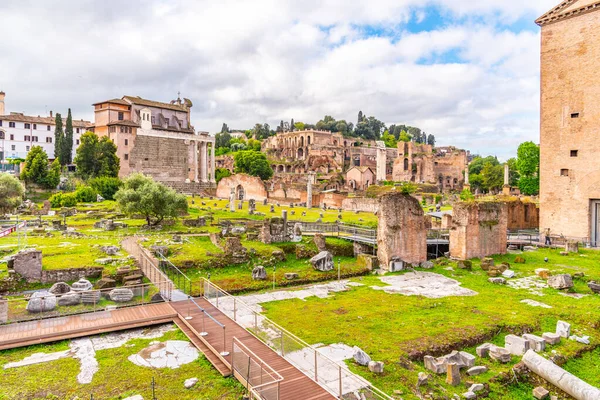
pixel 308 140
pixel 406 164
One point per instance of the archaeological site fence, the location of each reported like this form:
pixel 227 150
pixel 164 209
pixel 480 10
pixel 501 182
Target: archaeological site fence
pixel 262 381
pixel 335 377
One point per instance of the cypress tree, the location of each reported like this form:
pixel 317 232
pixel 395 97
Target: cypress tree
pixel 67 143
pixel 58 138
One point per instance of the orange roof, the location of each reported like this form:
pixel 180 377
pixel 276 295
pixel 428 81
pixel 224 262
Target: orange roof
pixel 20 117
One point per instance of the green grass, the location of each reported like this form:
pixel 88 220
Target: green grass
pixel 399 330
pixel 116 378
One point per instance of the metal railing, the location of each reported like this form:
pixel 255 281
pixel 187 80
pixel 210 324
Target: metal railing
pixel 175 275
pixel 334 377
pixel 204 333
pixel 262 381
pixel 150 268
pixel 29 307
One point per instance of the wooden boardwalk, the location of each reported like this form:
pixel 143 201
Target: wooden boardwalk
pixel 295 385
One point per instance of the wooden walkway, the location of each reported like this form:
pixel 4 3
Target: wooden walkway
pixel 69 327
pixel 295 385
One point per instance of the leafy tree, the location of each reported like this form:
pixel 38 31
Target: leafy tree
pixel 404 137
pixel 300 126
pixel 96 157
pixel 528 159
pixel 360 118
pixel 222 139
pixel 11 193
pixel 529 185
pixel 238 147
pixel 492 177
pixel 478 163
pixel 106 186
pixel 53 176
pixel 36 166
pixel 221 173
pixel 476 181
pixel 389 140
pixel 466 195
pixel 253 144
pixel 141 195
pixel 66 145
pixel 224 128
pixel 253 163
pixel 431 140
pixel 58 137
pixel 513 173
pixel 85 194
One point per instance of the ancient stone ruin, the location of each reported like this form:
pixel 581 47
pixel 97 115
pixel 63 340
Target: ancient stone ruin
pixel 28 264
pixel 401 232
pixel 478 230
pixel 322 261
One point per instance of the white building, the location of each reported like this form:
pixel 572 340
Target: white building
pixel 19 132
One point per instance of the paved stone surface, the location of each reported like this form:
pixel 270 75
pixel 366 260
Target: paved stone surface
pixel 427 284
pixel 170 354
pixel 534 303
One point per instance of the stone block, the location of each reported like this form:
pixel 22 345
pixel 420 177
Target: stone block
pixel 90 297
pixel 290 276
pixel 469 395
pixel 497 281
pixel 476 387
pixel 543 273
pixel 322 261
pixel 484 350
pixel 28 264
pixel 82 285
pixel 453 374
pixel 562 281
pixel 60 288
pixel 551 338
pixel 468 360
pixel 516 345
pixel 106 283
pixel 500 354
pixel 563 329
pixel 41 302
pixel 121 295
pixel 190 383
pixel 69 299
pixel 540 393
pixel 536 343
pixel 361 357
pixel 594 287
pixel 486 263
pixel 433 365
pixel 473 371
pixel 259 273
pixel 376 367
pixel 464 264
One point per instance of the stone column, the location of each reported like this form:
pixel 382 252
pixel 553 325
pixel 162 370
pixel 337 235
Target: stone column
pixel 195 144
pixel 467 175
pixel 381 174
pixel 203 162
pixel 506 175
pixel 232 200
pixel 309 184
pixel 212 162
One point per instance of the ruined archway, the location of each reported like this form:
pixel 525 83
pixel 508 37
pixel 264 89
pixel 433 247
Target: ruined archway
pixel 240 193
pixel 300 152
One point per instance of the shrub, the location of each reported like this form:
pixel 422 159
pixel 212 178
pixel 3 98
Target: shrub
pixel 85 194
pixel 106 186
pixel 55 200
pixel 63 200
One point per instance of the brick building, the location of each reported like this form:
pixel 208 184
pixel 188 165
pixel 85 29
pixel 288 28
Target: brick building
pixel 157 139
pixel 570 120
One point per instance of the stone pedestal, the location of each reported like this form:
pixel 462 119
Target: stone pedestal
pixel 453 374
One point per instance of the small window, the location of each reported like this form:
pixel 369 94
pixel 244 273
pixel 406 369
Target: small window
pixel 0 122
pixel 34 138
pixel 27 138
pixel 122 129
pixel 120 116
pixel 11 124
pixel 12 137
pixel 126 142
pixel 564 172
pixel 13 147
pixel 574 153
pixel 35 126
pixel 1 135
pixel 48 140
pixel 27 148
pixel 48 128
pixel 575 115
pixel 77 130
pixel 77 142
pixel 145 159
pixel 27 126
pixel 126 156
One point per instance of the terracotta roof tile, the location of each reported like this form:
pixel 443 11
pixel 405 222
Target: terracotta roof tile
pixel 114 101
pixel 126 122
pixel 157 104
pixel 18 117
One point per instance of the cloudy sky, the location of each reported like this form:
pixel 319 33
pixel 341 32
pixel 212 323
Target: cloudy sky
pixel 466 71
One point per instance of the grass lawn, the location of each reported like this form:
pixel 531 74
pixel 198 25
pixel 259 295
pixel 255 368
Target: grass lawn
pixel 116 378
pixel 399 330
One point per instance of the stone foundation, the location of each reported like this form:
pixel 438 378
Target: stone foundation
pixel 478 230
pixel 522 215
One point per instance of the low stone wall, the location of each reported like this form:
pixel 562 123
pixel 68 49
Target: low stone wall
pixel 253 187
pixel 190 187
pixel 478 230
pixel 70 274
pixel 360 204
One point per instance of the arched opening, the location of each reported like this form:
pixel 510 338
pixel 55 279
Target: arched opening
pixel 280 168
pixel 406 164
pixel 240 193
pixel 300 152
pixel 345 143
pixel 353 184
pixel 335 142
pixel 308 140
pixel 288 168
pixel 301 141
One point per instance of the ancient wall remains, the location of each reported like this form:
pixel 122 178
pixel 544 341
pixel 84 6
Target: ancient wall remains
pixel 478 229
pixel 522 215
pixel 162 158
pixel 246 186
pixel 401 232
pixel 360 204
pixel 28 264
pixel 70 274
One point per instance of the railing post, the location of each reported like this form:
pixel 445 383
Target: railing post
pixel 316 367
pixel 282 350
pixel 340 377
pixel 188 309
pixel 235 309
pixel 225 353
pixel 203 333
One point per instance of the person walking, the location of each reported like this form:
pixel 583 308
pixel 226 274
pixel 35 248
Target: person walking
pixel 547 234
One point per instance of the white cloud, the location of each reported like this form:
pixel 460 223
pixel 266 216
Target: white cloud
pixel 243 62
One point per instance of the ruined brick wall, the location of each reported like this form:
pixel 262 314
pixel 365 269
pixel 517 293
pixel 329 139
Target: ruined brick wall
pixel 478 229
pixel 253 187
pixel 70 274
pixel 570 122
pixel 522 215
pixel 360 204
pixel 227 162
pixel 164 159
pixel 28 264
pixel 401 232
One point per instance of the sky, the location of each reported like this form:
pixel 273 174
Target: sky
pixel 465 71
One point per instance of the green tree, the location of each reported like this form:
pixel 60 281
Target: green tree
pixel 222 139
pixel 431 140
pixel 221 173
pixel 141 195
pixel 96 157
pixel 11 193
pixel 292 125
pixel 58 137
pixel 253 163
pixel 36 166
pixel 224 128
pixel 389 140
pixel 299 126
pixel 53 176
pixel 404 137
pixel 492 177
pixel 66 145
pixel 528 166
pixel 513 173
pixel 466 195
pixel 106 186
pixel 478 163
